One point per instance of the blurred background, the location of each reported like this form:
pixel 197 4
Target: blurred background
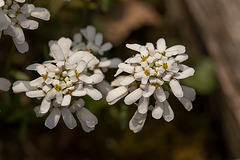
pixel 210 131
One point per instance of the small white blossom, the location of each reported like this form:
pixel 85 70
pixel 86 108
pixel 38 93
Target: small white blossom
pixel 61 82
pixel 149 71
pixel 14 16
pixel 94 45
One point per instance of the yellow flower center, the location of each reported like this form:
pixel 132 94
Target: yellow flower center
pixel 57 88
pixel 165 66
pixel 147 72
pixel 144 58
pixel 69 92
pixel 45 76
pixel 155 85
pixel 77 74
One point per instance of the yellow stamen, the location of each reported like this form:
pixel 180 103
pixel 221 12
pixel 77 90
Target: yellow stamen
pixel 144 58
pixel 57 88
pixel 147 72
pixel 155 85
pixel 45 76
pixel 69 92
pixel 77 74
pixel 165 66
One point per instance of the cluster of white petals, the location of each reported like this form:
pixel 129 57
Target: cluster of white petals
pixel 4 83
pixel 152 72
pixel 14 16
pixel 89 40
pixel 61 83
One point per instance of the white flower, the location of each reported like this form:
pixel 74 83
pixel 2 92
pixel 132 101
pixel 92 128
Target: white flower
pixel 14 17
pixel 61 82
pixel 94 44
pixel 4 84
pixel 149 71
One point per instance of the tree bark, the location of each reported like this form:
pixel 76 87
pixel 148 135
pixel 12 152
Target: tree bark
pixel 218 25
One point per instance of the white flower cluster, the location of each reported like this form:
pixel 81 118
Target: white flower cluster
pixel 94 44
pixel 72 74
pixel 14 15
pixel 152 71
pixel 62 81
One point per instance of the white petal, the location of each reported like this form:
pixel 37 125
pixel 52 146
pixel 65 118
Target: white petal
pixel 135 47
pixel 91 32
pixel 157 111
pixel 186 103
pixel 126 67
pixel 79 93
pixel 137 122
pixel 45 105
pixel 37 81
pixel 27 8
pixel 133 96
pixel 161 45
pixel 33 67
pixel 176 88
pixel 160 94
pixel 41 70
pixel 85 78
pixel 189 93
pixel 87 119
pixel 24 23
pixel 77 38
pixel 97 78
pixel 144 51
pixel 106 46
pixel 4 21
pixel 168 114
pixel 56 50
pixel 22 48
pixel 65 44
pixel 187 73
pixel 59 97
pixel 4 84
pixel 68 118
pixel 2 3
pixel 127 80
pixel 41 13
pixel 66 100
pixel 19 38
pixel 81 66
pixel 98 39
pixel 77 105
pixel 181 58
pixel 143 105
pixel 149 89
pixel 35 94
pixel 76 57
pixel 53 118
pixel 22 86
pixel 93 93
pixel 114 95
pixel 51 94
pixel 174 50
